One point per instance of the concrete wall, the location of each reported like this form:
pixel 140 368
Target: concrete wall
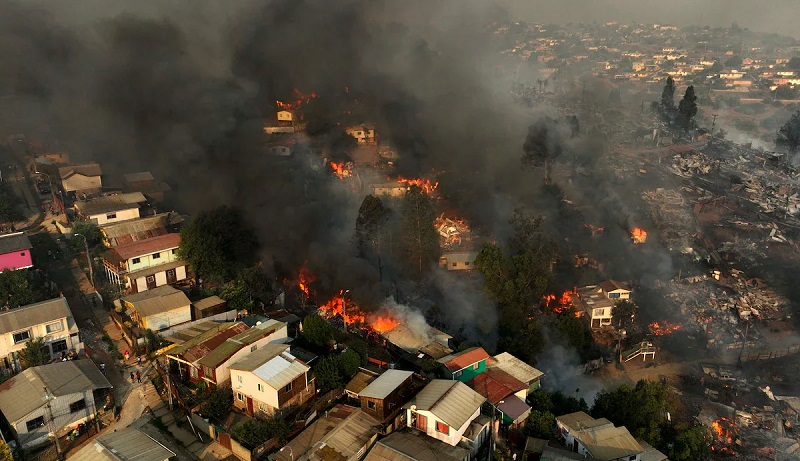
pixel 103 218
pixel 454 436
pixel 145 261
pixel 280 336
pixel 9 350
pixel 161 279
pixel 16 260
pixel 165 320
pixel 245 384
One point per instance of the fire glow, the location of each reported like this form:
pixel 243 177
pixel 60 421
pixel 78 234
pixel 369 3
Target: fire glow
pixel 304 280
pixel 664 328
pixel 341 170
pixel 638 235
pixel 383 322
pixel 427 186
pixel 352 314
pixel 300 99
pixel 724 433
pixel 560 304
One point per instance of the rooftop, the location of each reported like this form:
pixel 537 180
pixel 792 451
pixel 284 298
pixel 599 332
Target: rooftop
pixel 145 247
pixel 273 364
pixel 132 230
pixel 131 444
pixel 86 169
pixel 208 342
pixel 413 341
pixel 110 203
pixel 463 359
pixel 613 285
pixel 603 441
pixel 451 401
pixel 14 242
pixel 25 392
pixel 516 367
pixel 187 337
pixel 495 385
pixel 225 350
pixel 360 381
pixel 138 177
pixel 208 303
pixel 158 300
pixel 34 314
pixel 414 446
pixel 385 384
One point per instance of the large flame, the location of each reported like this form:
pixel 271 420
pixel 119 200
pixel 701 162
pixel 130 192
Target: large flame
pixel 638 235
pixel 304 280
pixel 664 328
pixel 339 306
pixel 426 185
pixel 560 304
pixel 724 432
pixel 383 322
pixel 341 169
pixel 300 99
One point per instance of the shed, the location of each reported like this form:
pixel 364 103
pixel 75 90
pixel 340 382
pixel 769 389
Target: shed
pixel 159 308
pixel 208 307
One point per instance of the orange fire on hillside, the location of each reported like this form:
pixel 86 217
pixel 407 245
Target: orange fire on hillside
pixel 300 99
pixel 664 328
pixel 341 169
pixel 562 303
pixel 426 185
pixel 382 323
pixel 352 314
pixel 304 280
pixel 724 432
pixel 638 235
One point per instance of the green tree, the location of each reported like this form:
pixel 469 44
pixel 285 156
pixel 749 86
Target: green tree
pixel 9 204
pixel 420 239
pixel 235 293
pixel 327 373
pixel 789 135
pixel 258 285
pixel 734 62
pixel 152 340
pixel 687 108
pixel 794 63
pixel 218 243
pixel 5 452
pixel 667 104
pixel 577 333
pixel 691 445
pixel 349 361
pixel 360 347
pixel 541 424
pixel 217 404
pixel 642 408
pixel 15 289
pixel 317 330
pixel 543 145
pixel 34 354
pixel 784 92
pixel 371 230
pixel 94 236
pixel 623 314
pixel 255 432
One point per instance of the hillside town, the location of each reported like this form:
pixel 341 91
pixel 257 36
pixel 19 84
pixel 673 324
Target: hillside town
pixel 618 286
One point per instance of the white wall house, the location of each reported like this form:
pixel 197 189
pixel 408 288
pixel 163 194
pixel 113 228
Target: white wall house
pixel 81 179
pixel 111 208
pixel 597 438
pixel 159 309
pixel 444 410
pixel 145 264
pixel 70 388
pixel 270 379
pixel 49 320
pixel 599 300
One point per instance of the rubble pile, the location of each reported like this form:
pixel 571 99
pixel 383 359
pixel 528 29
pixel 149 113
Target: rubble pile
pixel 452 232
pixel 691 163
pixel 669 212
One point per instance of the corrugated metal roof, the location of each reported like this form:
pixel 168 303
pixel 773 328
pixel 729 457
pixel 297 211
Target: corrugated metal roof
pixel 360 381
pixel 158 300
pixel 131 444
pixel 273 364
pixel 314 433
pixel 138 177
pixel 347 438
pixel 451 401
pixel 34 314
pixel 612 285
pixel 514 407
pixel 211 342
pixel 413 342
pixel 463 359
pixel 496 384
pixel 86 169
pixel 225 350
pixel 136 229
pixel 207 303
pixel 24 393
pixel 147 246
pixel 195 334
pixel 110 203
pixel 14 242
pixel 604 441
pixel 385 384
pixel 516 367
pixel 415 446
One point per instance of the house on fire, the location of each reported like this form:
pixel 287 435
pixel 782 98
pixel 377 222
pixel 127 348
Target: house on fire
pixel 111 208
pixel 363 134
pixel 158 309
pixel 597 301
pixel 383 398
pixel 269 380
pixel 145 264
pixel 15 252
pixel 50 398
pixel 597 438
pixel 466 364
pixel 80 180
pixel 432 343
pixel 49 320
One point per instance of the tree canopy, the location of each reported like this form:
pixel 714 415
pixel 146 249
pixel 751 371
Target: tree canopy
pixel 420 239
pixel 89 231
pixel 218 243
pixel 327 373
pixel 217 404
pixel 317 330
pixel 687 108
pixel 642 409
pixel 543 145
pixel 34 354
pixel 623 314
pixel 789 135
pixel 372 235
pixel 691 444
pixel 9 204
pixel 255 431
pixel 668 96
pixel 15 289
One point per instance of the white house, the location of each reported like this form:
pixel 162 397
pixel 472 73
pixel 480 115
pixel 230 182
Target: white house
pixel 47 398
pixel 159 308
pixel 111 208
pixel 598 301
pixel 81 179
pixel 269 380
pixel 363 134
pixel 615 290
pixel 444 410
pixel 49 320
pixel 597 438
pixel 145 264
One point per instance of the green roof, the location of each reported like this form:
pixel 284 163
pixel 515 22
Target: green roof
pixel 225 350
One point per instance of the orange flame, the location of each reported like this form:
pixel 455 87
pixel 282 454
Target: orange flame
pixel 664 328
pixel 339 306
pixel 300 99
pixel 594 229
pixel 564 301
pixel 384 322
pixel 304 280
pixel 426 185
pixel 724 432
pixel 341 170
pixel 638 235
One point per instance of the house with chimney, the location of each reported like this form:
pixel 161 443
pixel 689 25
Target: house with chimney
pixel 597 301
pixel 158 309
pixel 383 398
pixel 81 180
pixel 145 264
pixel 15 252
pixel 597 438
pixel 111 208
pixel 465 365
pixel 270 380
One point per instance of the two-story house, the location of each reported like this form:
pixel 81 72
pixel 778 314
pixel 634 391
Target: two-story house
pixel 158 309
pixel 466 364
pixel 383 398
pixel 597 438
pixel 615 290
pixel 80 180
pixel 15 252
pixel 269 380
pixel 145 264
pixel 518 369
pixel 187 353
pixel 111 208
pixel 132 230
pixel 362 133
pixel 50 400
pixel 597 301
pixel 444 409
pixel 49 320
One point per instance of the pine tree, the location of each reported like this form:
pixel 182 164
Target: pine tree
pixel 668 96
pixel 789 135
pixel 688 108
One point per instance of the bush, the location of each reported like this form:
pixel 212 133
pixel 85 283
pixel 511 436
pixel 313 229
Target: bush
pixel 316 330
pixel 218 404
pixel 349 361
pixel 255 432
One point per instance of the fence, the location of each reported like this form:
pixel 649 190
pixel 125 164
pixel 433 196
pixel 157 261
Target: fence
pixel 171 388
pixel 128 334
pixel 772 354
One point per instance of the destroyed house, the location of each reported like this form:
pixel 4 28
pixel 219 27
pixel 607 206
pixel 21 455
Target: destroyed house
pixel 444 409
pixel 383 398
pixel 111 208
pixel 134 230
pixel 15 252
pixel 145 264
pixel 431 344
pixel 81 179
pixel 597 438
pixel 158 309
pixel 466 364
pixel 270 379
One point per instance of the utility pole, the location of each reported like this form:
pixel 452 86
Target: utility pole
pixel 51 424
pixel 713 123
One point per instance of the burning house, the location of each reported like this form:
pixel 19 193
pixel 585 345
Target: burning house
pixel 597 301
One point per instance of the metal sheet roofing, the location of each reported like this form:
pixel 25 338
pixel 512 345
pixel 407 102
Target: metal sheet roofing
pixel 360 381
pixel 86 169
pixel 516 367
pixel 495 385
pixel 152 270
pixel 385 384
pixel 24 393
pixel 514 407
pixel 110 203
pixel 131 444
pixel 132 230
pixel 273 364
pixel 147 246
pixel 14 242
pixel 314 433
pixel 207 303
pixel 343 441
pixel 194 334
pixel 158 300
pixel 451 401
pixel 603 441
pixel 225 350
pixel 211 342
pixel 138 177
pixel 463 359
pixel 414 446
pixel 34 314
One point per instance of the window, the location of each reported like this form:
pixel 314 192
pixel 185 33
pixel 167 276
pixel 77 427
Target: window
pixel 174 251
pixel 475 366
pixel 253 347
pixel 613 295
pixel 59 346
pixel 22 254
pixel 193 372
pixel 22 336
pixel 151 278
pixel 442 427
pixel 466 263
pixel 111 216
pixel 288 387
pixel 371 404
pixel 239 397
pixel 599 312
pixel 156 255
pixel 34 423
pixel 260 389
pixel 136 260
pixel 77 406
pixel 457 374
pixel 53 327
pixel 239 378
pixel 455 264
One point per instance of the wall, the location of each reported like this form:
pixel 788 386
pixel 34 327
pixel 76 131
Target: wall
pixel 223 373
pixel 16 260
pixel 145 261
pixel 140 284
pixel 68 327
pixel 167 319
pixel 455 434
pixel 249 387
pixel 121 215
pixel 468 373
pixel 63 419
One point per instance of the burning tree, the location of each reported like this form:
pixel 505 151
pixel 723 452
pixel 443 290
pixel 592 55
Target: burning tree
pixel 427 186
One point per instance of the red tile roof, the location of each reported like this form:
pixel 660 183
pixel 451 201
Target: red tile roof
pixel 465 358
pixel 147 246
pixel 496 385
